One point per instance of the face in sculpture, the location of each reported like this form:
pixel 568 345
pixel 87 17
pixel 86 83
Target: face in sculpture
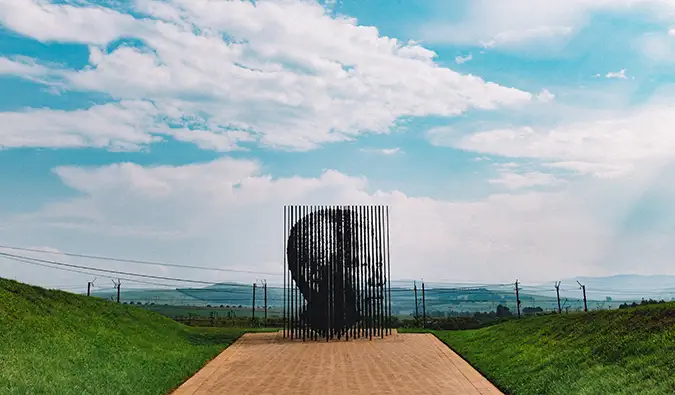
pixel 331 256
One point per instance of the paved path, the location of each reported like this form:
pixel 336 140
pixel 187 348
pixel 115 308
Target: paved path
pixel 264 363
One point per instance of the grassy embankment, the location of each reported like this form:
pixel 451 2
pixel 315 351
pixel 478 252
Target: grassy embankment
pixel 628 351
pixel 53 342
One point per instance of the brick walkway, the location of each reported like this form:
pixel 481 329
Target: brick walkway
pixel 264 363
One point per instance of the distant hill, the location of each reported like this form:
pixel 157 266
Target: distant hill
pixel 437 301
pixel 440 298
pixel 627 286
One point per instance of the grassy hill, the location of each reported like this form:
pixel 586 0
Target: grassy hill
pixel 53 342
pixel 628 351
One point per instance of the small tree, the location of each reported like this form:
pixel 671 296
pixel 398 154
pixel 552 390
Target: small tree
pixel 503 311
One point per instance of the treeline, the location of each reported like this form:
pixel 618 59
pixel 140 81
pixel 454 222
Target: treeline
pixel 459 321
pixel 644 302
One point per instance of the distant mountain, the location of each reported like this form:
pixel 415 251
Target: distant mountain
pixel 440 298
pixel 627 286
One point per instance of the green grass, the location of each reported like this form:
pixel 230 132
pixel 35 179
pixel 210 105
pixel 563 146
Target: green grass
pixel 628 351
pixel 52 342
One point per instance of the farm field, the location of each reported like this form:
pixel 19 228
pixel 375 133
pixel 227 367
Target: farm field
pixel 60 343
pixel 236 299
pixel 204 311
pixel 626 351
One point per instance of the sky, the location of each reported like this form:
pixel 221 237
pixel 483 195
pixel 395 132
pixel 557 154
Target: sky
pixel 516 139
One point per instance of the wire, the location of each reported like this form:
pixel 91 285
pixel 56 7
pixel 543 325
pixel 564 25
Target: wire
pixel 431 298
pixel 104 258
pixel 89 274
pixel 108 271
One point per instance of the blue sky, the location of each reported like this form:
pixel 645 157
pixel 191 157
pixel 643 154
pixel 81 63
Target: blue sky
pixel 508 145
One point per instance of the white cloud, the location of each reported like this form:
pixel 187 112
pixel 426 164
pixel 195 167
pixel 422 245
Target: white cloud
pixel 614 145
pixel 442 136
pixel 671 32
pixel 513 177
pixel 545 96
pixel 21 66
pixel 515 23
pixel 621 74
pixel 383 151
pixel 463 59
pixel 287 84
pixel 49 22
pixel 515 181
pixel 600 170
pixel 512 37
pixel 657 47
pixel 227 213
pixel 206 139
pixel 126 125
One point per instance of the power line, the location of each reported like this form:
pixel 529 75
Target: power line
pixel 32 261
pixel 89 274
pixel 108 271
pixel 155 263
pixel 143 262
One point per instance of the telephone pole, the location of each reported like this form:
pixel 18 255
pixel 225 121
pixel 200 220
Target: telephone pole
pixel 118 284
pixel 517 299
pixel 89 285
pixel 557 291
pixel 253 304
pixel 416 309
pixel 424 308
pixel 583 287
pixel 265 293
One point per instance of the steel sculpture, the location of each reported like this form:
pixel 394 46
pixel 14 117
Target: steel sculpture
pixel 336 272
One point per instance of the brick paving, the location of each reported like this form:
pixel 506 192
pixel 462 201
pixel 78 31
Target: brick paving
pixel 265 363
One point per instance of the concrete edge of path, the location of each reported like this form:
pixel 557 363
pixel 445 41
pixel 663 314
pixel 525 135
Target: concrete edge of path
pixel 480 382
pixel 191 386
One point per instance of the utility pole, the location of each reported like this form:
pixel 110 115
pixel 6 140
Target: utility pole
pixel 253 304
pixel 117 285
pixel 424 308
pixel 416 309
pixel 89 285
pixel 583 287
pixel 557 291
pixel 517 299
pixel 265 292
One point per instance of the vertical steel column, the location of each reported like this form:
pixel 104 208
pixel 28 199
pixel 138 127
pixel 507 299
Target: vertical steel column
pixel 385 278
pixel 362 288
pixel 296 290
pixel 331 274
pixel 371 274
pixel 356 263
pixel 366 275
pixel 337 288
pixel 290 279
pixel 380 286
pixel 325 268
pixel 304 247
pixel 313 256
pixel 388 268
pixel 328 267
pixel 283 314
